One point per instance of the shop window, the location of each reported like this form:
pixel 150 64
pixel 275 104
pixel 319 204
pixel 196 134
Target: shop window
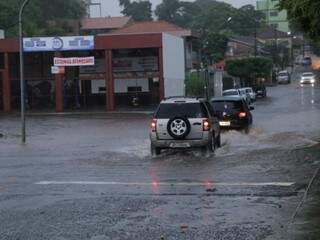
pixel 274 14
pixel 134 89
pixel 274 25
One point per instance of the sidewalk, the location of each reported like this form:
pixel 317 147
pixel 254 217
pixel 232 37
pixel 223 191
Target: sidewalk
pixel 82 113
pixel 306 224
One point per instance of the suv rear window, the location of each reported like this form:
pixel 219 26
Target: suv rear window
pixel 223 106
pixel 189 110
pixel 230 93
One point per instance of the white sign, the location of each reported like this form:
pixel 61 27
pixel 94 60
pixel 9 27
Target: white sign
pixel 75 61
pixel 57 70
pixel 58 43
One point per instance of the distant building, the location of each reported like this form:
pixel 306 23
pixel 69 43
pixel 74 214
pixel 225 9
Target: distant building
pixel 274 17
pixel 192 56
pixel 243 47
pixel 101 25
pixel 94 8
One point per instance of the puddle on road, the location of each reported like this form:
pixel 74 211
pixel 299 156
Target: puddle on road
pixel 233 142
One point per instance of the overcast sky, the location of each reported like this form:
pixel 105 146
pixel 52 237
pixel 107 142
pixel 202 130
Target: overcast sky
pixel 111 7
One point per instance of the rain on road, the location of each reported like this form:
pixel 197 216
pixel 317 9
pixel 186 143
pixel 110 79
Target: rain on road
pixel 92 177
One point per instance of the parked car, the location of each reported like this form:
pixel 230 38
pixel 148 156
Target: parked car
pixel 237 93
pixel 308 78
pixel 306 61
pixel 231 93
pixel 284 77
pixel 181 122
pixel 260 91
pixel 251 93
pixel 232 112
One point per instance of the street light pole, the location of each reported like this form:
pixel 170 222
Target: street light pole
pixel 22 86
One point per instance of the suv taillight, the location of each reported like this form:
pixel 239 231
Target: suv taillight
pixel 206 125
pixel 154 125
pixel 242 114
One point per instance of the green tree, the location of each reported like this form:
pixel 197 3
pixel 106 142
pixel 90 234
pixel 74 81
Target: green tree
pixel 178 12
pixel 305 14
pixel 248 69
pixel 138 10
pixel 246 20
pixel 41 17
pixel 215 47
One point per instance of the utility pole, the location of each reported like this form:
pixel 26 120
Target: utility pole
pixel 22 83
pixel 255 41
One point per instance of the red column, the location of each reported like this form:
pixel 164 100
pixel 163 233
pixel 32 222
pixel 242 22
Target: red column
pixel 109 81
pixel 161 78
pixel 6 85
pixel 59 87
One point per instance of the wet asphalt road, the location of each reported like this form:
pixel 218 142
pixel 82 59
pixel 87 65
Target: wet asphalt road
pixel 92 177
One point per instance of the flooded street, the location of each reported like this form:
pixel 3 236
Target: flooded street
pixel 92 177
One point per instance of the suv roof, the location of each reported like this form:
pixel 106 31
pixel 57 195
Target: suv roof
pixel 226 99
pixel 231 90
pixel 181 100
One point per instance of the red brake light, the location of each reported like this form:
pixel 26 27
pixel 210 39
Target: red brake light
pixel 242 114
pixel 154 125
pixel 206 125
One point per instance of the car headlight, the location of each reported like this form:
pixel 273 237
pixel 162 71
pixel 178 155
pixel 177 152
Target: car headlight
pixel 301 81
pixel 312 81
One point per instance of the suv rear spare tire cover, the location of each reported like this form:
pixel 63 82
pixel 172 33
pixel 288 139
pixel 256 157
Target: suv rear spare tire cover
pixel 178 127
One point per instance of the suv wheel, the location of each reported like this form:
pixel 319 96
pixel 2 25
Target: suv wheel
pixel 211 146
pixel 218 141
pixel 155 151
pixel 178 127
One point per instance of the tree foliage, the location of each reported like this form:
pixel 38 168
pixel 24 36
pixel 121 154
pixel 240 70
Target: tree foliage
pixel 41 17
pixel 215 47
pixel 214 21
pixel 138 10
pixel 305 14
pixel 178 12
pixel 248 69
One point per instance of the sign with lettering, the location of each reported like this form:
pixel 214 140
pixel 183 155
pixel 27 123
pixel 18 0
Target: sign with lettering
pixel 74 61
pixel 43 44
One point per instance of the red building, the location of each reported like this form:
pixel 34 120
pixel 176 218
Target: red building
pixel 109 83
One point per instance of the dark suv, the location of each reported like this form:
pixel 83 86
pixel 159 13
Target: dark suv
pixel 232 112
pixel 181 122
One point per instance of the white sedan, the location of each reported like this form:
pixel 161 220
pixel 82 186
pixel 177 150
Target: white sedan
pixel 308 78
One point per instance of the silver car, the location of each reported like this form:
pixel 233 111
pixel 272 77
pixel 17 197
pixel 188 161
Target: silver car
pixel 237 93
pixel 251 93
pixel 181 122
pixel 283 77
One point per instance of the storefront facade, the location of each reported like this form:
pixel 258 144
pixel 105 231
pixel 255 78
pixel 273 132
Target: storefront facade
pixel 133 70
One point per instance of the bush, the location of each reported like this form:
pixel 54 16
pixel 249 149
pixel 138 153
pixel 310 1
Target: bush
pixel 195 85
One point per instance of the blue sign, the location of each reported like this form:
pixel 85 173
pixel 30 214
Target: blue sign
pixel 58 44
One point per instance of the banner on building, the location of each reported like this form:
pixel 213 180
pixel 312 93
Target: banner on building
pixel 74 61
pixel 43 44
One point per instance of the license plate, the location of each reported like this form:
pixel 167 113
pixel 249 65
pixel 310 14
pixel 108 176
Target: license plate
pixel 179 145
pixel 225 124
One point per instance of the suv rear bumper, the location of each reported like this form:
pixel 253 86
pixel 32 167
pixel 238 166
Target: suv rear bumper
pixel 185 143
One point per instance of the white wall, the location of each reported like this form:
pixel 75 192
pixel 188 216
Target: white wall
pixel 96 85
pixel 1 34
pixel 121 85
pixel 173 65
